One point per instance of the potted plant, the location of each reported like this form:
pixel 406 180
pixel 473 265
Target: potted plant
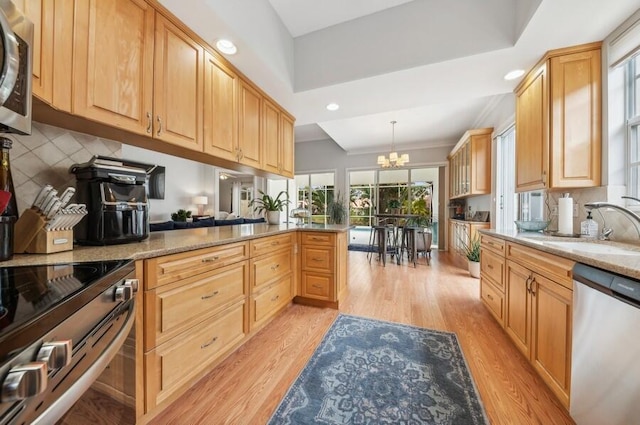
pixel 394 206
pixel 336 210
pixel 471 250
pixel 270 206
pixel 181 215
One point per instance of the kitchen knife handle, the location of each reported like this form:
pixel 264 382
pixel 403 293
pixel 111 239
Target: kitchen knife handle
pixel 42 195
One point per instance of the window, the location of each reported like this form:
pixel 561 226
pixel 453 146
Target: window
pixel 632 97
pixel 314 192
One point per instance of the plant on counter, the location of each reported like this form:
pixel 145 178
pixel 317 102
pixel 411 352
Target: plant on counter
pixel 266 203
pixel 181 215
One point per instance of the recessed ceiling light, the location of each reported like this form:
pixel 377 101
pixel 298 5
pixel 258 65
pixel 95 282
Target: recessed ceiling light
pixel 227 47
pixel 512 75
pixel 333 107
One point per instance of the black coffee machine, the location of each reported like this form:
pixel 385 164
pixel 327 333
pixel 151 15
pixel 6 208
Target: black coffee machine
pixel 114 192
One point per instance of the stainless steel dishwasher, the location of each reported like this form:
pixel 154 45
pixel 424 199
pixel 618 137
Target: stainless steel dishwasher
pixel 605 369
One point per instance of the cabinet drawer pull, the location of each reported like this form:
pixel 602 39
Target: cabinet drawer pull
pixel 275 298
pixel 317 286
pixel 210 259
pixel 159 125
pixel 316 238
pixel 215 338
pixel 490 297
pixel 489 266
pixel 317 259
pixel 534 287
pixel 149 122
pixel 206 297
pixel 275 243
pixel 275 267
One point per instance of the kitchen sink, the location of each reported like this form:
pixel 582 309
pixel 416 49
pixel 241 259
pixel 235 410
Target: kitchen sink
pixel 591 247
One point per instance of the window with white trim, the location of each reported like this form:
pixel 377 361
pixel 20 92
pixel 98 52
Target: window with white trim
pixel 632 99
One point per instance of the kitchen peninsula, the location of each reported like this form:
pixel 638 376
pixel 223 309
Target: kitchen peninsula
pixel 205 291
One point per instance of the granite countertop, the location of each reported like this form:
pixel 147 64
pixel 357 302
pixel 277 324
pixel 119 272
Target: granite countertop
pixel 169 242
pixel 624 264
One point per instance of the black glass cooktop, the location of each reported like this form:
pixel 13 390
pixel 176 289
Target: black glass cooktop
pixel 28 293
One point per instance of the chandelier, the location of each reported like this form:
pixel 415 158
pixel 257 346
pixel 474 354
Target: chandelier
pixel 394 160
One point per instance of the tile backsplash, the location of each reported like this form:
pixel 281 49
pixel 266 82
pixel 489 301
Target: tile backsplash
pixel 44 157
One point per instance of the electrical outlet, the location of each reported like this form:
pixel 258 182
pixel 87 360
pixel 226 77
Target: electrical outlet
pixel 575 209
pixel 554 210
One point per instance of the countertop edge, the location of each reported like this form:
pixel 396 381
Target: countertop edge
pixel 625 265
pixel 168 242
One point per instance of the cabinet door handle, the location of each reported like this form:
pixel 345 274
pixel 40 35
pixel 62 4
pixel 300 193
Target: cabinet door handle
pixel 534 285
pixel 206 297
pixel 149 122
pixel 490 297
pixel 275 243
pixel 210 259
pixel 317 286
pixel 275 298
pixel 489 266
pixel 528 283
pixel 317 259
pixel 215 338
pixel 275 267
pixel 241 155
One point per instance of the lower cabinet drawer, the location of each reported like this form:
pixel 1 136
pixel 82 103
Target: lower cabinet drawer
pixel 317 285
pixel 269 268
pixel 317 258
pixel 493 299
pixel 171 309
pixel 268 302
pixel 492 265
pixel 183 359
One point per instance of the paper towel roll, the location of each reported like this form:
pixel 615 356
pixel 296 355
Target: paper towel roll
pixel 565 216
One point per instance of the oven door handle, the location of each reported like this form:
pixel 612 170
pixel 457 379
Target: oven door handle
pixel 58 408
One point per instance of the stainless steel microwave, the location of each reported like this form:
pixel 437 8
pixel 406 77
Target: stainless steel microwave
pixel 16 36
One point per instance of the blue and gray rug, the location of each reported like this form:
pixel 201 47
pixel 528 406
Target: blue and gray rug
pixel 372 372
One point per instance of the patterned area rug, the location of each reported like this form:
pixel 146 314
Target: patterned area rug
pixel 372 372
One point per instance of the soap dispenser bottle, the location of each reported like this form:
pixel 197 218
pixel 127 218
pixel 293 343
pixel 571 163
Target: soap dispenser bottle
pixel 589 227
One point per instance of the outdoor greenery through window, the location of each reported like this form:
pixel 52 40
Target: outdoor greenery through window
pixel 633 125
pixel 314 193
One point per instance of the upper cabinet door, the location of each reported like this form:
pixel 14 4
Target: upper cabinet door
pixel 178 87
pixel 287 144
pixel 575 119
pixel 271 137
pixel 40 12
pixel 220 109
pixel 532 143
pixel 113 63
pixel 250 107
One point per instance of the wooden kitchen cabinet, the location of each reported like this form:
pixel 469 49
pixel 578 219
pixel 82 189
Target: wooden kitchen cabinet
pixel 492 276
pixel 220 109
pixel 113 64
pixel 178 87
pixel 470 164
pixel 52 49
pixel 249 122
pixel 558 121
pixel 460 233
pixel 538 317
pixel 278 140
pixel 323 268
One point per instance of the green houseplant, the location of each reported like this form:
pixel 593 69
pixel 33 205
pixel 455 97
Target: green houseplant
pixel 181 215
pixel 394 206
pixel 471 250
pixel 270 206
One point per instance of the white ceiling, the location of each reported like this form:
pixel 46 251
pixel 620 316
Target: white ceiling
pixel 434 66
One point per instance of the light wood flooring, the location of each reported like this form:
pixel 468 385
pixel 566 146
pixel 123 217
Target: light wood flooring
pixel 248 386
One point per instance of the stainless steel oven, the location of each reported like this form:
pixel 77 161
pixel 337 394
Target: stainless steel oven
pixel 16 41
pixel 60 328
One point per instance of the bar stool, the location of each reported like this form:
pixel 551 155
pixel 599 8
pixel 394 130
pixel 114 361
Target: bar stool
pixel 426 237
pixel 381 239
pixel 408 243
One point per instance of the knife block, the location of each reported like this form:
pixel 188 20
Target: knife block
pixel 32 237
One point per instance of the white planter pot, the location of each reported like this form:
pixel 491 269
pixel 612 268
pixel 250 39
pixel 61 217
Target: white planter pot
pixel 474 269
pixel 273 217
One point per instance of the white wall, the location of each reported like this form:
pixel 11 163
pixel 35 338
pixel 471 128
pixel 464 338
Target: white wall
pixel 184 179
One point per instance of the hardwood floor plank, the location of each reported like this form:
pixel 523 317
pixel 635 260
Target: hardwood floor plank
pixel 248 386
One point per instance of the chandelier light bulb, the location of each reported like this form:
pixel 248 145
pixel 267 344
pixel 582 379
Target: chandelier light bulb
pixel 394 159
